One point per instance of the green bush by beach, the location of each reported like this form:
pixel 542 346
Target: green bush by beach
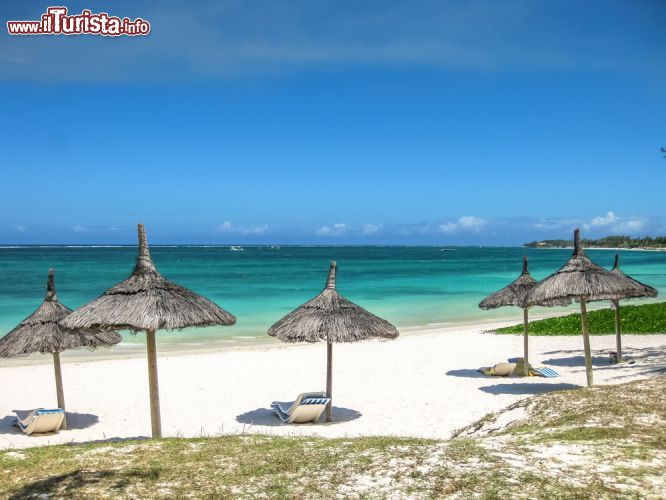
pixel 603 442
pixel 639 319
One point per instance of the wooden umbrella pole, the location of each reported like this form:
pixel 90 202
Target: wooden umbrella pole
pixel 329 380
pixel 155 419
pixel 526 349
pixel 618 331
pixel 59 390
pixel 586 342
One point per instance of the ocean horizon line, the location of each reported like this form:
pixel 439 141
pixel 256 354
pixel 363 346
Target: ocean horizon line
pixel 248 245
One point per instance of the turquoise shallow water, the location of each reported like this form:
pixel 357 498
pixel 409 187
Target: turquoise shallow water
pixel 409 286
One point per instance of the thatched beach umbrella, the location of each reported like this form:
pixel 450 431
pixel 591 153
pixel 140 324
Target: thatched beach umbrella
pixel 148 302
pixel 332 318
pixel 636 289
pixel 582 280
pixel 515 294
pixel 40 332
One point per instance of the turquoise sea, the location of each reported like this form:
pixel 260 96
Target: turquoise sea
pixel 409 286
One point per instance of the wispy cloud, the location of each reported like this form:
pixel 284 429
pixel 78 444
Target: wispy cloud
pixel 80 229
pixel 370 229
pixel 474 229
pixel 20 228
pixel 228 228
pixel 609 223
pixel 341 229
pixel 334 230
pixel 468 223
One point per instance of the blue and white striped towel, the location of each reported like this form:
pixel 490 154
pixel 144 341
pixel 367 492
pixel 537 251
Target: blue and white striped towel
pixel 544 371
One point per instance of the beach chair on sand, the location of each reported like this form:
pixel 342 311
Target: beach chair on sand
pixel 39 421
pixel 307 407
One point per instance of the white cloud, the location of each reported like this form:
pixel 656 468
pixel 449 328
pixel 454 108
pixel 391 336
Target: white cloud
pixel 20 228
pixel 80 229
pixel 614 224
pixel 468 223
pixel 472 223
pixel 228 228
pixel 334 230
pixel 609 223
pixel 448 227
pixel 604 220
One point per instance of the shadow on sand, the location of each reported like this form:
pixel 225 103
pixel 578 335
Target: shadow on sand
pixel 467 373
pixel 74 421
pixel 264 416
pixel 572 361
pixel 527 388
pixel 74 484
pixel 645 361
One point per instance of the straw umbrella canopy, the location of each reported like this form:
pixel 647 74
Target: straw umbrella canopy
pixel 515 294
pixel 332 318
pixel 582 280
pixel 40 332
pixel 148 302
pixel 637 289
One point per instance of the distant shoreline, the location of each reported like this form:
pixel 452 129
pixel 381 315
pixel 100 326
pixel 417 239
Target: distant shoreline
pixel 637 249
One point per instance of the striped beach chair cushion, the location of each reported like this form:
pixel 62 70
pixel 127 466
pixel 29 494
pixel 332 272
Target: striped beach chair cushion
pixel 314 401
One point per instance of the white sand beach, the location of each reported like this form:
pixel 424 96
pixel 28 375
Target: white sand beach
pixel 423 384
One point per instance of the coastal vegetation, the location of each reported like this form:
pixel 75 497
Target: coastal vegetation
pixel 599 442
pixel 637 319
pixel 658 242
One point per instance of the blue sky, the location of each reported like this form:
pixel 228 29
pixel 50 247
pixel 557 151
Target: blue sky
pixel 335 122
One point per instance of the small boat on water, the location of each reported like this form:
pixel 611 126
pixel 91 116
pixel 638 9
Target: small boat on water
pixel 236 249
pixel 447 249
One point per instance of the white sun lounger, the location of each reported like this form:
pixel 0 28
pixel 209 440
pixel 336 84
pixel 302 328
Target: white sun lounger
pixel 307 407
pixel 39 421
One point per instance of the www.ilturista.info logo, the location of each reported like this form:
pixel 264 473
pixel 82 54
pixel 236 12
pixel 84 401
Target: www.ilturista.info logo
pixel 56 21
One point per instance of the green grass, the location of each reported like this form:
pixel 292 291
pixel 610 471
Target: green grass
pixel 639 319
pixel 616 435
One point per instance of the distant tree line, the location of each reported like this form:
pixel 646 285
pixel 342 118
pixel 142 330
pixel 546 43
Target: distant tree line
pixel 606 242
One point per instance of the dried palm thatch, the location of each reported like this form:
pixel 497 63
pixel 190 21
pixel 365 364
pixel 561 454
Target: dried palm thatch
pixel 515 294
pixel 40 332
pixel 636 289
pixel 582 280
pixel 148 302
pixel 579 278
pixel 332 318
